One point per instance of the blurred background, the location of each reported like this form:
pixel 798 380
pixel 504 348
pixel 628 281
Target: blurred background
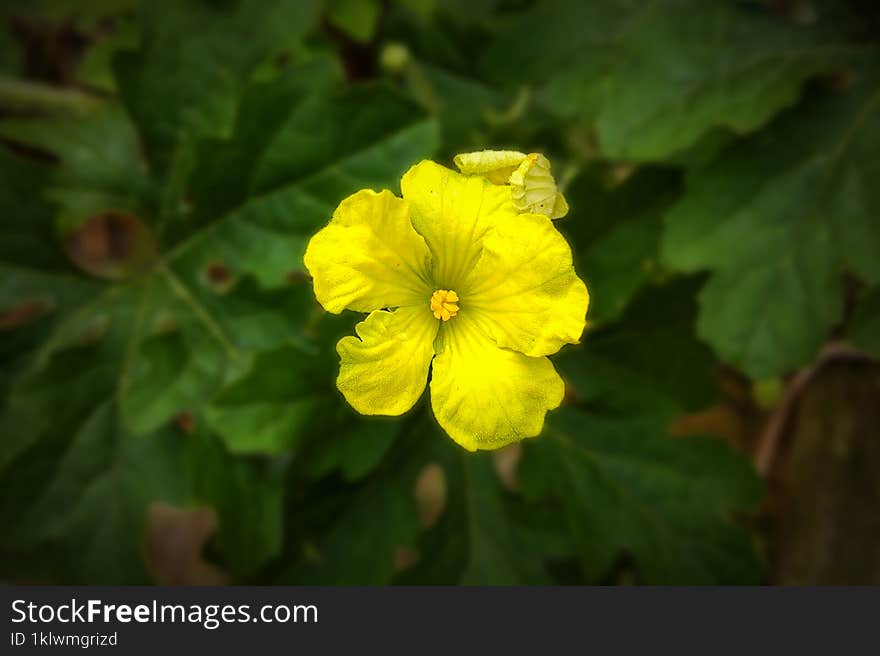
pixel 169 412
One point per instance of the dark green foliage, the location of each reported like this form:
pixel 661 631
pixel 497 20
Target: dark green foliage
pixel 161 342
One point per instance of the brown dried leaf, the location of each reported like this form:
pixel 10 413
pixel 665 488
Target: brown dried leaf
pixel 430 494
pixel 24 313
pixel 176 538
pixel 112 245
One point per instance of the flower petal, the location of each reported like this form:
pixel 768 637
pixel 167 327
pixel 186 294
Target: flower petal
pixel 369 256
pixel 484 396
pixel 385 371
pixel 496 165
pixel 524 291
pixel 534 190
pixel 453 212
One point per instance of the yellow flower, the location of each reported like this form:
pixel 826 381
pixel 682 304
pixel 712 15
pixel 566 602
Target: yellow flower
pixel 456 281
pixel 532 186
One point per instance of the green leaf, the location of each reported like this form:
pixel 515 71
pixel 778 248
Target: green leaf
pixel 10 53
pixel 437 67
pixel 95 70
pixel 479 543
pixel 266 409
pixel 84 14
pixel 357 18
pixel 136 354
pixel 777 220
pixel 477 540
pixel 227 167
pixel 464 107
pixel 194 58
pixel 164 361
pixel 85 492
pixel 453 525
pixel 168 368
pixel 100 165
pixel 37 285
pixel 352 444
pixel 615 235
pixel 648 365
pixel 360 542
pixel 188 332
pixel 629 495
pixel 864 329
pixel 655 76
pixel 297 167
pixel 669 505
pixel 196 313
pixel 248 495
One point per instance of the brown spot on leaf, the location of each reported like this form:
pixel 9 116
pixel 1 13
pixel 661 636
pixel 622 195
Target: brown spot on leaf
pixel 27 151
pixel 186 422
pixel 166 323
pixel 620 173
pixel 294 277
pixel 96 330
pixel 219 277
pixel 430 494
pixel 51 49
pixel 506 464
pixel 111 245
pixel 404 558
pixel 23 313
pixel 570 395
pixel 838 81
pixel 176 538
pixel 721 420
pixel 801 12
pixel 311 552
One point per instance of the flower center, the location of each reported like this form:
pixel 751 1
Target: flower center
pixel 443 304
